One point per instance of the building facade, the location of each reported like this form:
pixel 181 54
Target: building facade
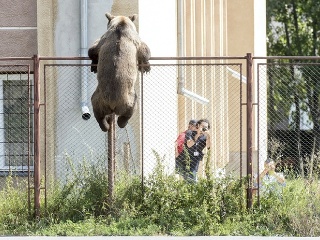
pixel 171 28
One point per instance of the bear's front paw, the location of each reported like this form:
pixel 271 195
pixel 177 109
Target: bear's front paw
pixel 144 67
pixel 94 68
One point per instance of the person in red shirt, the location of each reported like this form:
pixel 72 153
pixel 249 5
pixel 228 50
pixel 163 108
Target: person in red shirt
pixel 187 162
pixel 181 137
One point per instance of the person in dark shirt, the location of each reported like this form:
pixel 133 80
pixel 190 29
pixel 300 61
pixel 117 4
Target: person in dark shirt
pixel 187 162
pixel 179 143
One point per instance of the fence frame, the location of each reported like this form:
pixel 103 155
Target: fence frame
pixel 257 90
pixel 37 60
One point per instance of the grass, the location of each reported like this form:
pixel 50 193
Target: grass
pixel 166 206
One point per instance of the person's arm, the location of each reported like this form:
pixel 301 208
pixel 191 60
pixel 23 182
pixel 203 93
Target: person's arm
pixel 279 178
pixel 262 174
pixel 179 143
pixel 208 140
pixel 190 140
pixel 176 149
pixel 271 171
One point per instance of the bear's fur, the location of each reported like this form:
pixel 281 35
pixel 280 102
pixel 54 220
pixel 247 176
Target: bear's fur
pixel 117 55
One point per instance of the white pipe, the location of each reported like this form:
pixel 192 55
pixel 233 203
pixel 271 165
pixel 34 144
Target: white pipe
pixel 181 53
pixel 181 76
pixel 83 53
pixel 194 96
pixel 237 75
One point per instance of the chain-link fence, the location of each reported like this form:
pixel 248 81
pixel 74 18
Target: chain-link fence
pixel 173 94
pixel 168 97
pixel 292 109
pixel 49 133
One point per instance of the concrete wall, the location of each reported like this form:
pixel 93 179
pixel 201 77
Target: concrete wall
pixel 158 28
pixel 260 49
pixel 92 141
pixel 162 42
pixel 228 28
pixel 223 28
pixel 18 28
pixel 77 140
pixel 224 32
pixel 18 31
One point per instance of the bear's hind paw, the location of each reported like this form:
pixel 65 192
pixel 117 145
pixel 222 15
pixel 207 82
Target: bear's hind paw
pixel 122 121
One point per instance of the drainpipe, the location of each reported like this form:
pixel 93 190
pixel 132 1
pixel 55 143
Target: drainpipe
pixel 181 76
pixel 83 53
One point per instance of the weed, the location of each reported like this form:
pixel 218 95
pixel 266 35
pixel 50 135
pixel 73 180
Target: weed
pixel 164 206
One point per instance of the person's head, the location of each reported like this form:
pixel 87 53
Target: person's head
pixel 192 125
pixel 203 125
pixel 270 165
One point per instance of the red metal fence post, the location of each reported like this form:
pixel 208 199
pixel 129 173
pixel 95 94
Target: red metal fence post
pixel 249 128
pixel 36 135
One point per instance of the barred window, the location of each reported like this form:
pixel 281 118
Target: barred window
pixel 15 122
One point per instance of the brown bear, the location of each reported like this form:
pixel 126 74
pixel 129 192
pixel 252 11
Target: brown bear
pixel 117 54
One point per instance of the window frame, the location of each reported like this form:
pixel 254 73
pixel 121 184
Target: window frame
pixel 16 75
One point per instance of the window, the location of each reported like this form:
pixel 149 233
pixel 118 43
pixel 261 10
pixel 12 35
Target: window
pixel 15 122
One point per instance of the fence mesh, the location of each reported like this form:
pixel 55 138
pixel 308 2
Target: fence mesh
pixel 292 109
pixel 285 126
pixel 168 97
pixel 72 141
pixel 205 91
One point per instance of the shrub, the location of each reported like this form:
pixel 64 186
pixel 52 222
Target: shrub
pixel 163 205
pixel 14 206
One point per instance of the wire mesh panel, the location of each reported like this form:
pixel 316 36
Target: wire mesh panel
pixel 173 95
pixel 285 131
pixel 168 97
pixel 292 111
pixel 74 140
pixel 73 149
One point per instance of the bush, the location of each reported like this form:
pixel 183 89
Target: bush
pixel 14 207
pixel 164 206
pixel 84 194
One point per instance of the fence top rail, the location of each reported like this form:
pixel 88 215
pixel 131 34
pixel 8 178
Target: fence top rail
pixel 197 58
pixel 289 64
pixel 167 58
pixel 15 58
pixel 190 64
pixel 288 57
pixel 152 58
pixel 64 58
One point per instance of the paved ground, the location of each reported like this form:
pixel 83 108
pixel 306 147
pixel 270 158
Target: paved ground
pixel 158 238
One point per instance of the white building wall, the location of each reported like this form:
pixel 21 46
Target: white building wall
pixel 260 49
pixel 157 24
pixel 77 139
pixel 157 27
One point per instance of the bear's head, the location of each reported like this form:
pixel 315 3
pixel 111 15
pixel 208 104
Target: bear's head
pixel 121 21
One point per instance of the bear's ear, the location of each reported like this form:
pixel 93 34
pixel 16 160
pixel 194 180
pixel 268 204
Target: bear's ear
pixel 109 16
pixel 133 17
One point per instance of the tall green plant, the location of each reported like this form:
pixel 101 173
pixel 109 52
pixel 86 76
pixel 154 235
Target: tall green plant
pixel 14 205
pixel 84 193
